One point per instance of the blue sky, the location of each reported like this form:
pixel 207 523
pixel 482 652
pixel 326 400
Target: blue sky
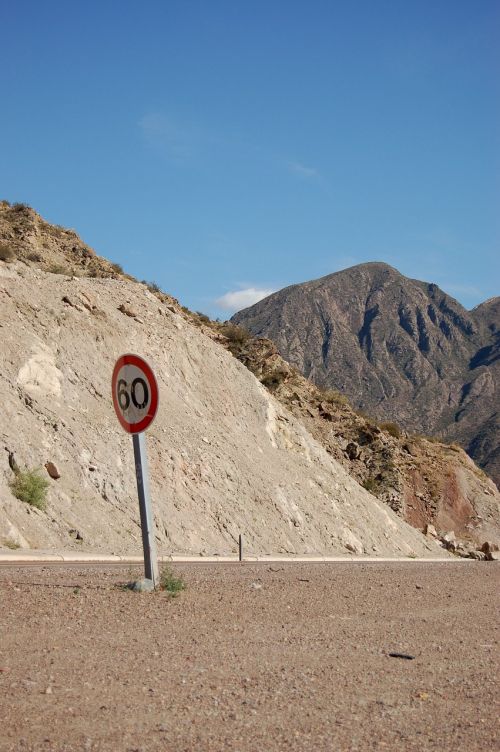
pixel 224 149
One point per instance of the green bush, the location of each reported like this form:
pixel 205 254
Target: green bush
pixel 170 583
pixel 31 487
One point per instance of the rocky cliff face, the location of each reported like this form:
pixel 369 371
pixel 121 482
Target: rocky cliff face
pixel 400 349
pixel 225 456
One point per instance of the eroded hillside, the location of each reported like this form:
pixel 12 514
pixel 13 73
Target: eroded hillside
pixel 424 480
pixel 225 456
pixel 228 456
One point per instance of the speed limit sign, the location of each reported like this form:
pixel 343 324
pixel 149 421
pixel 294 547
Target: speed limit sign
pixel 135 398
pixel 135 393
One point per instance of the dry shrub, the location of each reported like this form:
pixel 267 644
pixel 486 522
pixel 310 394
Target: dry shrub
pixel 236 335
pixel 6 252
pixel 58 269
pixel 392 429
pixel 334 397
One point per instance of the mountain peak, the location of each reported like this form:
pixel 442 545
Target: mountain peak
pixel 401 349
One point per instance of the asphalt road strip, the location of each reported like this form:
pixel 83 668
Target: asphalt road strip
pixel 74 557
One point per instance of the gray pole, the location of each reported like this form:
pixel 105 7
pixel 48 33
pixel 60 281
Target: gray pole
pixel 147 523
pixel 240 546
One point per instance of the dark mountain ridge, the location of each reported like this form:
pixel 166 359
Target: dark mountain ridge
pixel 400 349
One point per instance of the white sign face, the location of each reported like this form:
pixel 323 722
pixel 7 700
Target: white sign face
pixel 135 393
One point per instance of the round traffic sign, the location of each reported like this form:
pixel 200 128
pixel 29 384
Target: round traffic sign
pixel 135 393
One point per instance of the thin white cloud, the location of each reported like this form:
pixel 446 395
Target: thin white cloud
pixel 466 290
pixel 170 137
pixel 238 299
pixel 303 170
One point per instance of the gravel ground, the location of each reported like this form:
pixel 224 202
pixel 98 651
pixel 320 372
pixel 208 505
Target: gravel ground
pixel 259 657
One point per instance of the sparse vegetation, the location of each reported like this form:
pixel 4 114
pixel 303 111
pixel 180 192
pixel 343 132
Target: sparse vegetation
pixel 370 484
pixel 392 429
pixel 6 252
pixel 58 269
pixel 34 256
pixel 170 583
pixel 236 335
pixel 12 545
pixel 117 268
pixel 334 397
pixel 203 317
pixel 364 416
pixel 431 439
pixel 273 379
pixel 31 487
pixel 153 287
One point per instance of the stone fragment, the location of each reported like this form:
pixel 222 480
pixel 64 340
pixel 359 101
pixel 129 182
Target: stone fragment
pixel 449 541
pixel 352 450
pixel 12 461
pixel 488 547
pixel 492 556
pixel 325 411
pixel 127 310
pixel 142 586
pixel 430 530
pixel 87 301
pixel 410 449
pixel 66 299
pixel 477 555
pixel 52 470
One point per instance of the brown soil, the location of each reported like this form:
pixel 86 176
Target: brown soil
pixel 254 657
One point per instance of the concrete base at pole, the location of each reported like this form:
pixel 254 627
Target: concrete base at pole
pixel 142 586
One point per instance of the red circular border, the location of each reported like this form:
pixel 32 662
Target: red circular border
pixel 135 360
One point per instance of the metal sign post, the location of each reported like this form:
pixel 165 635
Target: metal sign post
pixel 147 525
pixel 135 398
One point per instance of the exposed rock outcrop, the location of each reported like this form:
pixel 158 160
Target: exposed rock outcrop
pixel 425 481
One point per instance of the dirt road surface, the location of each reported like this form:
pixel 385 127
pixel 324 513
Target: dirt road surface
pixel 251 657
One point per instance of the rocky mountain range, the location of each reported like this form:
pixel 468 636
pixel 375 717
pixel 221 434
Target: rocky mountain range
pixel 402 350
pixel 242 442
